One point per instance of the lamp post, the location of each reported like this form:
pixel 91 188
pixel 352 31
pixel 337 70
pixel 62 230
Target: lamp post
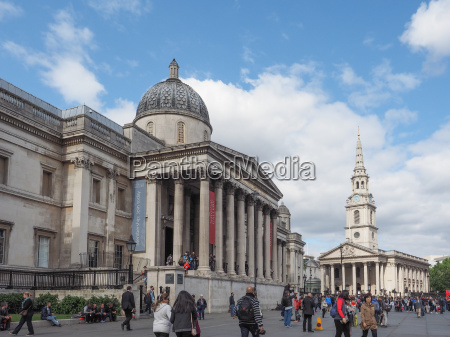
pixel 131 246
pixel 304 283
pixel 310 279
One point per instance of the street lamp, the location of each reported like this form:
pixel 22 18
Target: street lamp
pixel 131 246
pixel 310 279
pixel 304 283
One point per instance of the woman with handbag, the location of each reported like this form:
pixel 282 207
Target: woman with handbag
pixel 368 320
pixel 184 315
pixel 26 315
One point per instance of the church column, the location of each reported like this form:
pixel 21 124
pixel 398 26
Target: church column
pixel 111 215
pixel 196 224
pixel 366 278
pixel 267 242
pixel 153 222
pixel 178 220
pixel 274 218
pixel 280 262
pixel 187 221
pixel 343 276
pixel 322 279
pixel 241 233
pixel 382 276
pixel 251 236
pixel 355 287
pixel 400 278
pixel 377 277
pixel 283 254
pixel 259 241
pixel 333 289
pixel 81 197
pixel 203 250
pixel 230 230
pixel 218 192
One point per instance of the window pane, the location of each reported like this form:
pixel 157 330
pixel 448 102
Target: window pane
pixel 47 184
pixel 118 258
pixel 93 253
pixel 3 166
pixel 43 251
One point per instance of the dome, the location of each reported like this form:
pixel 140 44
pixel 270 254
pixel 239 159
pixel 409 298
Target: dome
pixel 282 209
pixel 173 95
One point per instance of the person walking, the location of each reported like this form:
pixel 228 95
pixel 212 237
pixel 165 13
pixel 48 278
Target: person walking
pixel 308 311
pixel 128 306
pixel 418 306
pixel 26 315
pixel 201 306
pixel 368 320
pixel 286 302
pixel 184 315
pixel 232 305
pixel 341 321
pixel 148 302
pixel 249 314
pixel 324 307
pixel 161 322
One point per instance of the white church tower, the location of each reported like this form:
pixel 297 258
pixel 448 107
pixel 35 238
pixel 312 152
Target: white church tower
pixel 361 221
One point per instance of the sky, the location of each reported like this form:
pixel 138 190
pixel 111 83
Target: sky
pixel 279 78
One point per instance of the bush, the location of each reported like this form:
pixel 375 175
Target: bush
pixel 42 301
pixel 104 299
pixel 71 305
pixel 14 301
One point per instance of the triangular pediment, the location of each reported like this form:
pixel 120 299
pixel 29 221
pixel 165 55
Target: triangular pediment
pixel 349 250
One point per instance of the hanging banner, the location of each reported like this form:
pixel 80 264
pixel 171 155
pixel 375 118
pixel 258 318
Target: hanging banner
pixel 212 218
pixel 271 240
pixel 138 221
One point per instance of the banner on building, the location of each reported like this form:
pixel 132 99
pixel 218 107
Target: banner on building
pixel 212 218
pixel 138 221
pixel 271 241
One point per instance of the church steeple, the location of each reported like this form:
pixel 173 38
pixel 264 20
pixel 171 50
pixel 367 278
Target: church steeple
pixel 359 164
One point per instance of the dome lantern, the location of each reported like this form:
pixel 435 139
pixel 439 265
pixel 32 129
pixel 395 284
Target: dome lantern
pixel 173 69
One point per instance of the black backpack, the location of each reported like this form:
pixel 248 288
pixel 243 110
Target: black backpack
pixel 245 310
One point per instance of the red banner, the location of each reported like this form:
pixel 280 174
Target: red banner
pixel 212 218
pixel 271 240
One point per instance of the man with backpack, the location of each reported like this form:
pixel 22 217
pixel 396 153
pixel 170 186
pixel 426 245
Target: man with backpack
pixel 249 314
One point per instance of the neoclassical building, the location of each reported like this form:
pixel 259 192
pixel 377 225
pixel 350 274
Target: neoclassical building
pixel 74 185
pixel 358 264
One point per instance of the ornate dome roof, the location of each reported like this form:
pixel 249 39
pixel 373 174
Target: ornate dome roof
pixel 172 94
pixel 282 209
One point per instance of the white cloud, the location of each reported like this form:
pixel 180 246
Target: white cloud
pixel 248 55
pixel 123 112
pixel 281 116
pixel 349 77
pixel 9 10
pixel 429 31
pixel 108 8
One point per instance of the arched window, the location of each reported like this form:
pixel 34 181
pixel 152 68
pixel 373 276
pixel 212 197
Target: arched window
pixel 362 184
pixel 357 184
pixel 150 128
pixel 356 217
pixel 336 272
pixel 180 133
pixel 205 135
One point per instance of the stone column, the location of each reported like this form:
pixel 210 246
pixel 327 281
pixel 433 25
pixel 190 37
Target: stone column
pixel 111 216
pixel 382 284
pixel 401 282
pixel 218 191
pixel 343 276
pixel 293 265
pixel 230 230
pixel 355 286
pixel 274 218
pixel 333 288
pixel 187 221
pixel 251 236
pixel 366 278
pixel 203 250
pixel 178 215
pixel 241 233
pixel 280 262
pixel 267 242
pixel 80 217
pixel 196 224
pixel 283 265
pixel 377 277
pixel 322 279
pixel 259 241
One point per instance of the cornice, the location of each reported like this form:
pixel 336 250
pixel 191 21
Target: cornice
pixel 84 139
pixel 29 196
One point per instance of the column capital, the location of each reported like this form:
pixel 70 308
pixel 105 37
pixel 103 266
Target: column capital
pixel 274 213
pixel 240 195
pixel 230 189
pixel 259 206
pixel 82 162
pixel 112 173
pixel 178 181
pixel 218 184
pixel 266 210
pixel 202 173
pixel 250 200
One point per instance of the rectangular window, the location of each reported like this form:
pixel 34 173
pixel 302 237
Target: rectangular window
pixel 47 184
pixel 93 253
pixel 96 191
pixel 118 257
pixel 43 251
pixel 3 170
pixel 121 199
pixel 2 246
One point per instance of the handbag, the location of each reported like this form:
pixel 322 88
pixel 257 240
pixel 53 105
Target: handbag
pixel 194 330
pixel 24 312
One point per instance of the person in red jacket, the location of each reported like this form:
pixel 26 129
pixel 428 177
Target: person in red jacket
pixel 297 306
pixel 341 320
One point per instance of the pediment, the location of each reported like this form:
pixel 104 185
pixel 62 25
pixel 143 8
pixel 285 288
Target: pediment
pixel 349 250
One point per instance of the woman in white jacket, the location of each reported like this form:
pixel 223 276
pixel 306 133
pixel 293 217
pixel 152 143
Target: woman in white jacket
pixel 161 321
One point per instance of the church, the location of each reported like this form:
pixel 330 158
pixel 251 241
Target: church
pixel 75 185
pixel 358 264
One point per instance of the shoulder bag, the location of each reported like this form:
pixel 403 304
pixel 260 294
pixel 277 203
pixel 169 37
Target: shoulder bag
pixel 194 329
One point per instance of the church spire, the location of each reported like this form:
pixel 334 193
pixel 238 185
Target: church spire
pixel 359 164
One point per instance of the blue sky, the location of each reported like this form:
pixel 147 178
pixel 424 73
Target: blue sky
pixel 303 74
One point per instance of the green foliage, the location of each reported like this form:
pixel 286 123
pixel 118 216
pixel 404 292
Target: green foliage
pixel 71 305
pixel 14 301
pixel 104 299
pixel 42 300
pixel 440 276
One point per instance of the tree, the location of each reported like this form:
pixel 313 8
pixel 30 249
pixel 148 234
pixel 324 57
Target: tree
pixel 440 276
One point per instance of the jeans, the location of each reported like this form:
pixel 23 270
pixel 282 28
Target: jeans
pixel 53 319
pixel 201 313
pixel 287 317
pixel 307 318
pixel 366 332
pixel 246 329
pixel 24 319
pixel 232 307
pixel 161 334
pixel 342 328
pixel 183 334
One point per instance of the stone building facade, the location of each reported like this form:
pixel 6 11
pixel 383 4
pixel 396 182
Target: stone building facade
pixel 66 190
pixel 358 265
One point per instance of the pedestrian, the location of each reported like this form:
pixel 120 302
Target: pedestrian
pixel 341 321
pixel 169 260
pixel 286 301
pixel 308 311
pixel 161 322
pixel 145 273
pixel 324 307
pixel 47 315
pixel 249 314
pixel 5 317
pixel 232 305
pixel 418 306
pixel 128 307
pixel 184 315
pixel 368 320
pixel 201 306
pixel 26 315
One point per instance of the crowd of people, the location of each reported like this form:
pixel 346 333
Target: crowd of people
pixel 94 314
